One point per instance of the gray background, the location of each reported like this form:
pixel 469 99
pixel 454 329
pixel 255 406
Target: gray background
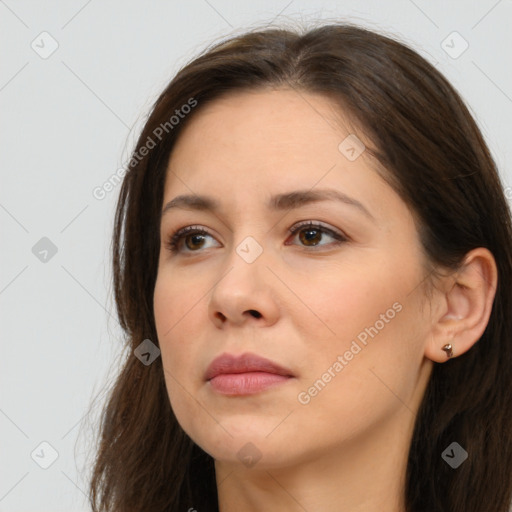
pixel 68 121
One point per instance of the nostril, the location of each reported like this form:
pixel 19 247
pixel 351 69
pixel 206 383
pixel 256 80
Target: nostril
pixel 255 313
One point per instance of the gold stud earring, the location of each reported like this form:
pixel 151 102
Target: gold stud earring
pixel 448 349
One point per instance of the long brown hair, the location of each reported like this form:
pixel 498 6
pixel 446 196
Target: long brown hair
pixel 437 160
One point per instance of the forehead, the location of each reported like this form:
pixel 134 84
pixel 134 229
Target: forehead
pixel 261 132
pixel 275 117
pixel 260 143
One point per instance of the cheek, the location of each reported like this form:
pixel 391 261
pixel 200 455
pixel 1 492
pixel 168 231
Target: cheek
pixel 370 321
pixel 176 307
pixel 350 386
pixel 175 300
pixel 341 306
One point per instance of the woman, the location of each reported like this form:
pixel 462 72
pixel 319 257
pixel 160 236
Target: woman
pixel 314 235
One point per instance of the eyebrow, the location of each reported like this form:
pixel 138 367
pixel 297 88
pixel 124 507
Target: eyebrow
pixel 279 202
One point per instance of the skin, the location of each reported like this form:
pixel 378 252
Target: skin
pixel 346 449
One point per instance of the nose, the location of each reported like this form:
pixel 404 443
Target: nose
pixel 244 294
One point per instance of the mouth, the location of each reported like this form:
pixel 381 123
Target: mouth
pixel 246 374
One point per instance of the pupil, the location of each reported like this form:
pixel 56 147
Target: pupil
pixel 195 237
pixel 310 237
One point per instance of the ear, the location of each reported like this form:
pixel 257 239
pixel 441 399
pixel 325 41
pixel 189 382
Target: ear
pixel 464 306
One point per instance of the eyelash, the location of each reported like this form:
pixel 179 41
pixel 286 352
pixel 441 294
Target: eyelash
pixel 174 240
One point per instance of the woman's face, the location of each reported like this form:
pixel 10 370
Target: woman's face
pixel 337 305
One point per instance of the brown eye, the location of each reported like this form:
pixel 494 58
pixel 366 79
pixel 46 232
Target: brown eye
pixel 195 240
pixel 193 237
pixel 311 234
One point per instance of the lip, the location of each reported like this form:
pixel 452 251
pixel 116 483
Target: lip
pixel 245 374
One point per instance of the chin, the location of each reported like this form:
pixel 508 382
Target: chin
pixel 253 443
